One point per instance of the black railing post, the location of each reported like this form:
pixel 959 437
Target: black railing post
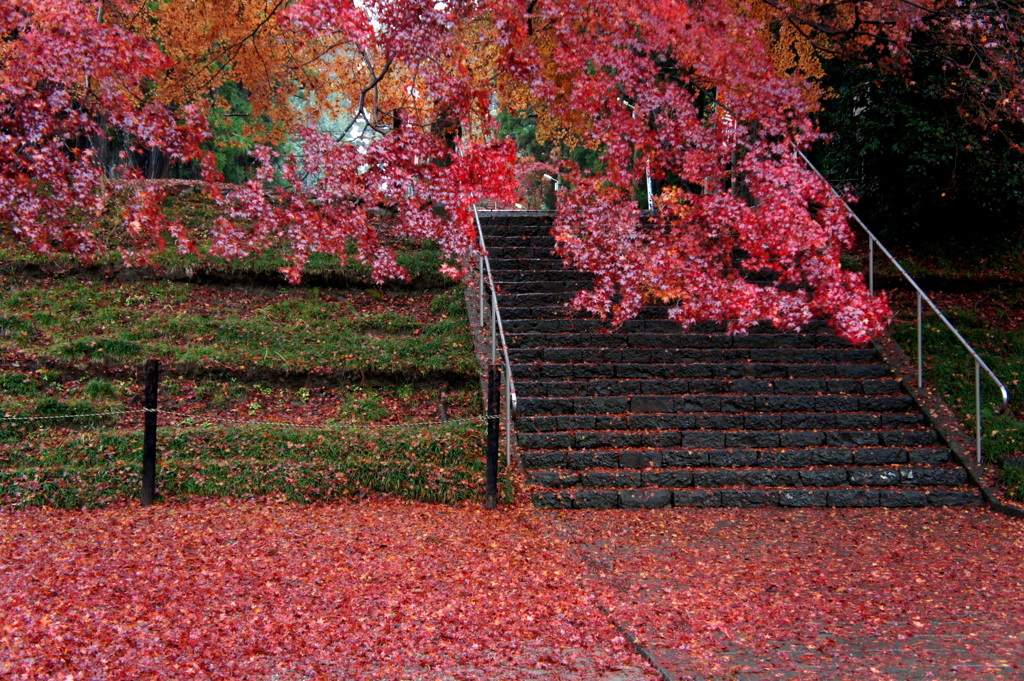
pixel 493 425
pixel 151 385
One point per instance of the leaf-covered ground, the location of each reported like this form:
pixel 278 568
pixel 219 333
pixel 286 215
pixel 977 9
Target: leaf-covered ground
pixel 216 590
pixel 813 594
pixel 398 590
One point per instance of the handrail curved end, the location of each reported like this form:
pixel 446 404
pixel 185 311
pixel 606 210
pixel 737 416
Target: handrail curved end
pixel 1006 400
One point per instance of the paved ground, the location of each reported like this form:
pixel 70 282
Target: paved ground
pixel 814 594
pixel 387 590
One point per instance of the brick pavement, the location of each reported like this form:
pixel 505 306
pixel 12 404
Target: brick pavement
pixel 811 594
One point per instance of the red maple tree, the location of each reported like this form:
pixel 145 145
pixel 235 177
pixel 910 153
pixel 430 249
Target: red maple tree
pixel 686 92
pixel 67 78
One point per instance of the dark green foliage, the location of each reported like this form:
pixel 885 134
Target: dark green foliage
pixel 522 127
pixel 101 387
pixel 923 175
pixel 294 330
pixel 118 348
pixel 231 142
pixel 14 326
pixel 75 413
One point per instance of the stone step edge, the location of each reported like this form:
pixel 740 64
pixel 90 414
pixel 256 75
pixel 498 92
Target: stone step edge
pixel 742 387
pixel 779 371
pixel 694 404
pixel 718 421
pixel 702 402
pixel 648 458
pixel 536 407
pixel 725 439
pixel 732 497
pixel 640 340
pixel 900 476
pixel 738 357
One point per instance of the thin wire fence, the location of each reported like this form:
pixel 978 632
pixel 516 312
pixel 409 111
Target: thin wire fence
pixel 178 423
pixel 95 415
pixel 194 419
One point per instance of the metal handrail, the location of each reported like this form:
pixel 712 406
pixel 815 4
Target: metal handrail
pixel 497 332
pixel 979 363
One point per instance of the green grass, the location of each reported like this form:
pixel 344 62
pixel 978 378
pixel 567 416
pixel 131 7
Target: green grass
pixel 1012 477
pixel 363 405
pixel 101 387
pixel 440 463
pixel 224 347
pixel 243 349
pixel 18 385
pixel 41 413
pixel 296 330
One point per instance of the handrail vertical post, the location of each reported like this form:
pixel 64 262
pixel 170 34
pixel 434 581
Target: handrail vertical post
pixel 920 344
pixel 493 407
pixel 650 198
pixel 871 265
pixel 494 328
pixel 508 422
pixel 480 264
pixel 977 406
pixel 151 388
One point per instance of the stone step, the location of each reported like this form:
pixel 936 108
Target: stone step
pixel 708 394
pixel 671 458
pixel 896 475
pixel 740 497
pixel 545 241
pixel 520 251
pixel 764 370
pixel 549 300
pixel 506 288
pixel 570 355
pixel 704 420
pixel 725 439
pixel 591 326
pixel 662 326
pixel 559 310
pixel 739 402
pixel 527 264
pixel 674 339
pixel 566 277
pixel 515 221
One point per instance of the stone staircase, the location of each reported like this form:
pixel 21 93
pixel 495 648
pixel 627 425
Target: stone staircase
pixel 653 416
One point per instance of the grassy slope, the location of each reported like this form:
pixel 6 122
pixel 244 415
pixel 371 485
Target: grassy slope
pixel 89 324
pixel 357 361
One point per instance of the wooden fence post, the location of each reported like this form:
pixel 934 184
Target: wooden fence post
pixel 151 384
pixel 493 426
